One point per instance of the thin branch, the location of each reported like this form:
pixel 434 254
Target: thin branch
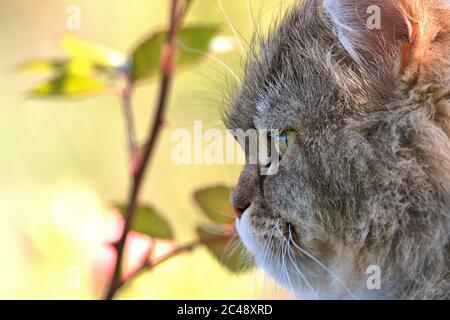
pixel 129 120
pixel 167 70
pixel 150 264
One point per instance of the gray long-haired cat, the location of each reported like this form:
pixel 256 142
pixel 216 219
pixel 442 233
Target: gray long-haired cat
pixel 363 186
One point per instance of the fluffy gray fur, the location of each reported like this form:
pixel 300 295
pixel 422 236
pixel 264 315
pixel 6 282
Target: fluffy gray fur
pixel 367 182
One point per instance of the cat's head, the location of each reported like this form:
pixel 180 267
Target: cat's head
pixel 360 91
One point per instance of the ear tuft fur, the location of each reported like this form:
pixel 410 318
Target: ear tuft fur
pixel 405 39
pixel 368 28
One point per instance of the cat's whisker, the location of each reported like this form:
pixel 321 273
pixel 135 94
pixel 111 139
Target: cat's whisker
pixel 284 274
pixel 213 58
pixel 338 279
pixel 231 248
pixel 216 76
pixel 266 276
pixel 286 271
pixel 294 264
pixel 216 100
pixel 250 22
pixel 223 214
pixel 302 275
pixel 206 101
pixel 238 36
pixel 256 28
pixel 206 89
pixel 268 253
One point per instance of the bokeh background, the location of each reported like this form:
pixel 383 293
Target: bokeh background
pixel 63 161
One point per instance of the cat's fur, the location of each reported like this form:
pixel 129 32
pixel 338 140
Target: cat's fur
pixel 367 182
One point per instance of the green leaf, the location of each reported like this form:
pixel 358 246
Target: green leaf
pixel 145 58
pixel 43 66
pixel 150 222
pixel 215 204
pixel 193 42
pixel 226 247
pixel 67 67
pixel 98 55
pixel 66 85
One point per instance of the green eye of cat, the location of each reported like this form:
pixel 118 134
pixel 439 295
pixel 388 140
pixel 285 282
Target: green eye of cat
pixel 285 139
pixel 280 142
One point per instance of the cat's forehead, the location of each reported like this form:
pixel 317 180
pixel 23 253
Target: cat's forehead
pixel 278 114
pixel 287 75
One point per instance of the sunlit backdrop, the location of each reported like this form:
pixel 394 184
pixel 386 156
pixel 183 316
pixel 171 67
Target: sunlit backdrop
pixel 64 161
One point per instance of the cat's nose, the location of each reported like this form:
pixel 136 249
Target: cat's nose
pixel 239 210
pixel 239 207
pixel 244 192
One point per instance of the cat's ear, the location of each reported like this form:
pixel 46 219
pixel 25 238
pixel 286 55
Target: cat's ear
pixel 368 29
pixel 403 40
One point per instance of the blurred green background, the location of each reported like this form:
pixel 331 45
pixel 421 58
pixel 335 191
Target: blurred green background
pixel 63 161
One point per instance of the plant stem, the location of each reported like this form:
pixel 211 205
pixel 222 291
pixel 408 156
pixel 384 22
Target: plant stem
pixel 152 263
pixel 139 168
pixel 129 120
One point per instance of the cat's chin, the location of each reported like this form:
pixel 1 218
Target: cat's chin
pixel 246 234
pixel 287 273
pixel 283 276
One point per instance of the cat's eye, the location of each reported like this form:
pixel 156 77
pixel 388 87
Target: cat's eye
pixel 278 144
pixel 284 140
